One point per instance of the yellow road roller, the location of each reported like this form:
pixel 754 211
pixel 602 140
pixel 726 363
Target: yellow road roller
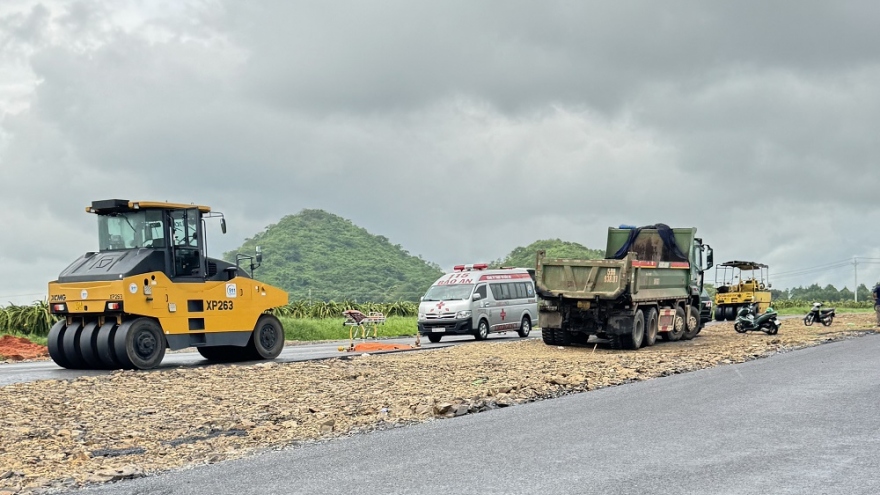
pixel 151 286
pixel 741 284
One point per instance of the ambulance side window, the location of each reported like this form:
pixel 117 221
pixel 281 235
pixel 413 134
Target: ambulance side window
pixel 505 291
pixel 496 291
pixel 481 290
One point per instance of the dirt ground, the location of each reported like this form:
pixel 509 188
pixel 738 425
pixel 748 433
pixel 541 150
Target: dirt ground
pixel 20 348
pixel 61 434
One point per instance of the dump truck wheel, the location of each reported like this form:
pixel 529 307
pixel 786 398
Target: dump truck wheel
pixel 434 338
pixel 139 344
pixel 651 327
pixel 104 346
pixel 70 346
pixel 222 353
pixel 678 326
pixel 482 331
pixel 88 346
pixel 56 349
pixel 548 335
pixel 692 323
pixel 564 337
pixel 633 339
pixel 525 327
pixel 267 340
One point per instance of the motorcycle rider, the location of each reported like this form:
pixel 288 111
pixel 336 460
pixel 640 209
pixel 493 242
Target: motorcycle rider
pixel 876 295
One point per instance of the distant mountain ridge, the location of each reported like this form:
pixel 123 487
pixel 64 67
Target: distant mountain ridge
pixel 525 257
pixel 321 256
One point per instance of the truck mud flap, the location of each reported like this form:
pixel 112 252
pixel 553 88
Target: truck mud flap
pixel 550 319
pixel 619 325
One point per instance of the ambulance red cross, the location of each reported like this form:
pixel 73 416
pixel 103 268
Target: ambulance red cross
pixel 472 299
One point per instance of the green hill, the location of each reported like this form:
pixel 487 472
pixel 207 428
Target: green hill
pixel 318 255
pixel 524 257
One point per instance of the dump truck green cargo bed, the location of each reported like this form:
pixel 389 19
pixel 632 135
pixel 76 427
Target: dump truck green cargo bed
pixel 649 269
pixel 609 279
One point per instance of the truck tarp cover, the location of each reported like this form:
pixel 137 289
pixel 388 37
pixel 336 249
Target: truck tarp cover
pixel 672 251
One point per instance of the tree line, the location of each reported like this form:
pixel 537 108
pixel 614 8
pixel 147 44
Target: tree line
pixel 815 292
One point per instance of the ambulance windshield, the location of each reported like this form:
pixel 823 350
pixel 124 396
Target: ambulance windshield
pixel 448 292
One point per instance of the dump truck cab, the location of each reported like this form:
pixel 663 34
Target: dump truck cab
pixel 151 286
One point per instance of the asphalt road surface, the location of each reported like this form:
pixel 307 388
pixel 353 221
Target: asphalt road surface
pixel 48 370
pixel 803 422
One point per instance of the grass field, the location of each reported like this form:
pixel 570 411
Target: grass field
pixel 313 329
pixel 804 310
pixel 333 329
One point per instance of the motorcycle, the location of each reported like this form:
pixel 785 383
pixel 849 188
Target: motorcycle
pixel 823 316
pixel 746 321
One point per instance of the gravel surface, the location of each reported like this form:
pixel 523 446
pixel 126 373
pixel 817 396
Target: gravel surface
pixel 62 434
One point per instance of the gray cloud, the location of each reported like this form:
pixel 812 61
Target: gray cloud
pixel 459 130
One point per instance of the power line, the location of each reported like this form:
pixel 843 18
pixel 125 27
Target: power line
pixel 819 267
pixel 810 271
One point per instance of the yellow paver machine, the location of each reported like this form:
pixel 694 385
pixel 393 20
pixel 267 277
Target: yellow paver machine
pixel 151 287
pixel 739 284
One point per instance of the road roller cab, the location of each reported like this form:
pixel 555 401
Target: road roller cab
pixel 151 286
pixel 741 284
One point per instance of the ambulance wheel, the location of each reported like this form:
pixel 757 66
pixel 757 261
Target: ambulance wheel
pixel 434 337
pixel 482 330
pixel 525 327
pixel 267 340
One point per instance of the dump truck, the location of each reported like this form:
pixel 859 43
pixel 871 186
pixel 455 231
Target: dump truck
pixel 649 284
pixel 151 286
pixel 741 284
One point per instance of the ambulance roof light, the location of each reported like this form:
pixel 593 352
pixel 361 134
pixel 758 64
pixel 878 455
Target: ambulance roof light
pixel 467 268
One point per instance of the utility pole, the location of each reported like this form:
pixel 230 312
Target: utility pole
pixel 856 278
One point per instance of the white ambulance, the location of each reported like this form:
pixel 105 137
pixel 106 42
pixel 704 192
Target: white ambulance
pixel 478 301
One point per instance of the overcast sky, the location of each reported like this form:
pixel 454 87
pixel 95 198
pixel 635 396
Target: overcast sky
pixel 459 130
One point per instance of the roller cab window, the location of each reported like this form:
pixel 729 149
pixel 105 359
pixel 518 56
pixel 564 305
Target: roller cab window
pixel 186 243
pixel 131 230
